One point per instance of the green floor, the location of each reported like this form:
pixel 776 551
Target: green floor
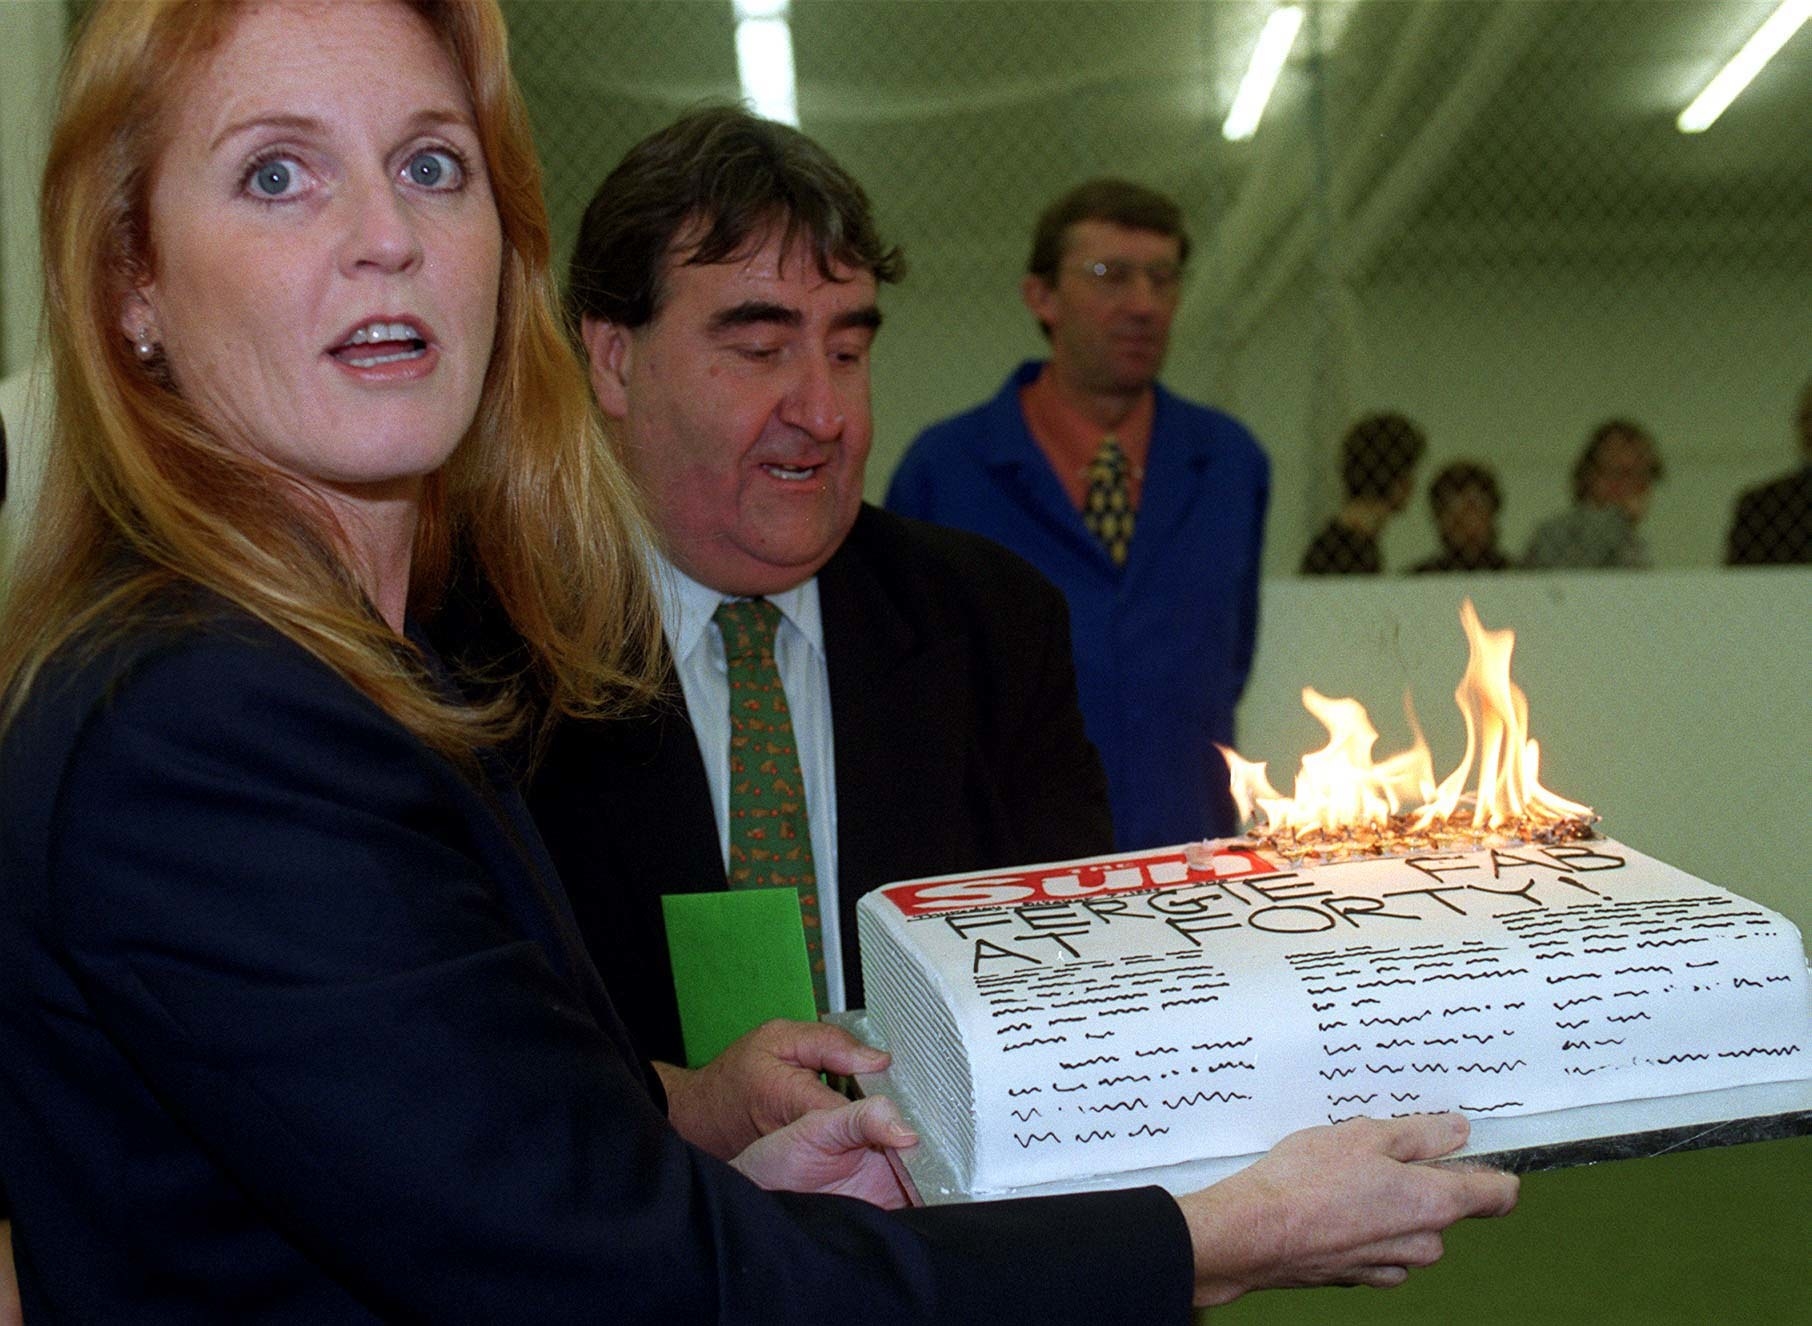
pixel 1707 1236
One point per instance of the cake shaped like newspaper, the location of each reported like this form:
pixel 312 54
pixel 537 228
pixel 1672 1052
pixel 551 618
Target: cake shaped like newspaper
pixel 1053 1022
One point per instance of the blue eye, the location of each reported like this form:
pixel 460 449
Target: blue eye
pixel 273 178
pixel 435 168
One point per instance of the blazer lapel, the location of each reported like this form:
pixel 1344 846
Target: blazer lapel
pixel 892 708
pixel 660 801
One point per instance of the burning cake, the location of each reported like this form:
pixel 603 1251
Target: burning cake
pixel 1487 953
pixel 1131 1012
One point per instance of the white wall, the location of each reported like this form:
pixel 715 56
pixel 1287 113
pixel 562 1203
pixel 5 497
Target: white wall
pixel 1676 703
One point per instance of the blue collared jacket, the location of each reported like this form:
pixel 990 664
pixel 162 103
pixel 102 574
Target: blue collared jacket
pixel 1163 645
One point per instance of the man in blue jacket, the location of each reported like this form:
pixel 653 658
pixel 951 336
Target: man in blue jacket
pixel 1147 510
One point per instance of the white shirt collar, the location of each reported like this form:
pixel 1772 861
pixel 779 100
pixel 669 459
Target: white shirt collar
pixel 687 608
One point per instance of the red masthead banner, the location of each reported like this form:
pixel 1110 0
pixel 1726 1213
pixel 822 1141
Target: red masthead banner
pixel 1166 868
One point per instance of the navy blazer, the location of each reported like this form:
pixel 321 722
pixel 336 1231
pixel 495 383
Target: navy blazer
pixel 295 1027
pixel 959 746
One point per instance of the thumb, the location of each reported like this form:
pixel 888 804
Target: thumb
pixel 831 1049
pixel 872 1122
pixel 1424 1136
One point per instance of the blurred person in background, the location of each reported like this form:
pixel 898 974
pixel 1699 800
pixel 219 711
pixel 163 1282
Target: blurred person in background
pixel 1465 500
pixel 1613 481
pixel 1145 509
pixel 1378 459
pixel 1772 522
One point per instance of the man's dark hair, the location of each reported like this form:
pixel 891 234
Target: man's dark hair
pixel 1119 201
pixel 1378 452
pixel 720 179
pixel 1587 464
pixel 1456 478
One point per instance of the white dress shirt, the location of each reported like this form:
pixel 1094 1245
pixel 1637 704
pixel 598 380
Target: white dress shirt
pixel 698 657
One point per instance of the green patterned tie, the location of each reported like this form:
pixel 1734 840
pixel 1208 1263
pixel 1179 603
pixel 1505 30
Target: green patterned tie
pixel 770 840
pixel 1107 507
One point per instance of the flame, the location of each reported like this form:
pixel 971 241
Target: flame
pixel 1340 787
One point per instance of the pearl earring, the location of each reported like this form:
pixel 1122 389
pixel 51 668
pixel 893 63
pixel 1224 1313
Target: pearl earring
pixel 144 346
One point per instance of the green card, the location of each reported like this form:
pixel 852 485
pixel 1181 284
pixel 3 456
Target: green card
pixel 738 960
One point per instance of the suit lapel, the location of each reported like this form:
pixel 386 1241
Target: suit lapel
pixel 626 811
pixel 891 711
pixel 658 783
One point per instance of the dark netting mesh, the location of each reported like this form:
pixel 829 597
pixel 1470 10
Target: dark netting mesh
pixel 1479 217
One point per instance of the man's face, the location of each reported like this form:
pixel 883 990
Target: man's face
pixel 1624 475
pixel 1109 305
pixel 1468 521
pixel 744 412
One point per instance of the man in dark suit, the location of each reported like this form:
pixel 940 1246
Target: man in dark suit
pixel 724 280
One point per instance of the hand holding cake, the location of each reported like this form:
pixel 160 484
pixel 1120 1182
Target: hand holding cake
pixel 1340 1205
pixel 841 1151
pixel 764 1081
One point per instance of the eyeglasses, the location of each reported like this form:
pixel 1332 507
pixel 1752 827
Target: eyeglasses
pixel 1117 275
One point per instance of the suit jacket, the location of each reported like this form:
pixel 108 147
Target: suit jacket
pixel 959 746
pixel 295 1026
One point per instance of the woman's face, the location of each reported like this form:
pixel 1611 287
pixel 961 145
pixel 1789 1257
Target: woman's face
pixel 326 250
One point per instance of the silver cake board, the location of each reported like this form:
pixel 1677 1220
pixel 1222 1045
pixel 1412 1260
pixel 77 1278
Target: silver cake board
pixel 1624 1130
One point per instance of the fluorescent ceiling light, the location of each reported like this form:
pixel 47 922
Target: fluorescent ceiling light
pixel 1743 66
pixel 764 59
pixel 1274 42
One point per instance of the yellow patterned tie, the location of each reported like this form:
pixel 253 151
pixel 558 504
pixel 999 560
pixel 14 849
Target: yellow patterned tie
pixel 1107 507
pixel 770 840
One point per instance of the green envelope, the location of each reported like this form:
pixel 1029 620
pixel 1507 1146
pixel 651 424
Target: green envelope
pixel 738 959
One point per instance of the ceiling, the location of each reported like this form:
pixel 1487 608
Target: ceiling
pixel 1426 126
